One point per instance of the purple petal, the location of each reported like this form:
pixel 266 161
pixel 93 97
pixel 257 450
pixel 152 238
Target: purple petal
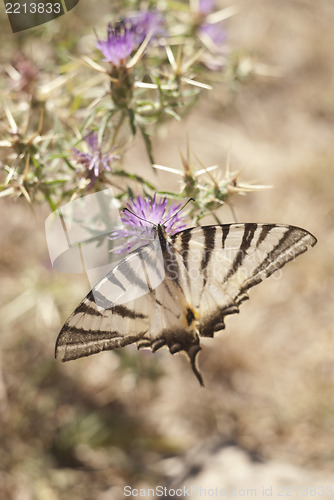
pixel 154 211
pixel 118 46
pixel 215 31
pixel 206 6
pixel 148 23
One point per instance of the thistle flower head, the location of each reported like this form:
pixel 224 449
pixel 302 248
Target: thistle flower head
pixel 206 6
pixel 147 22
pixel 25 73
pixel 126 35
pixel 215 32
pixel 219 188
pixel 154 210
pixel 120 42
pixel 95 161
pixel 210 29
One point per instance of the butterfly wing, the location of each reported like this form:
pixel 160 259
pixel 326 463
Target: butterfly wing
pixel 173 290
pixel 134 303
pixel 223 262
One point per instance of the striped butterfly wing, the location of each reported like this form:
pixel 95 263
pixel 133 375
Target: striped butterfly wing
pixel 134 303
pixel 178 288
pixel 222 262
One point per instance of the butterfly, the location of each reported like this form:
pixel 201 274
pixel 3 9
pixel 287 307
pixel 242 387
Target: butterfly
pixel 179 288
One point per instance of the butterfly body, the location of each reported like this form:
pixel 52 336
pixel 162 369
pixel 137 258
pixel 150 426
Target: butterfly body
pixel 179 288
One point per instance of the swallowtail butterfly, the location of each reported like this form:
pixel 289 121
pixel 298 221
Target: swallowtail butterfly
pixel 201 276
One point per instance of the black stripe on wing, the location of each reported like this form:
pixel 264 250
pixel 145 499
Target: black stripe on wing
pixel 266 228
pixel 185 238
pixel 293 242
pixel 209 234
pixel 225 231
pixel 288 241
pixel 115 281
pixel 247 238
pixel 130 274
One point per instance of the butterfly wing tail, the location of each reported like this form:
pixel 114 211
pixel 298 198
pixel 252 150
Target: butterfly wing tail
pixel 192 353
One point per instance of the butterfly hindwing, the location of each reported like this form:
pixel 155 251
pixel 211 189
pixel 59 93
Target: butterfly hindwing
pixel 176 289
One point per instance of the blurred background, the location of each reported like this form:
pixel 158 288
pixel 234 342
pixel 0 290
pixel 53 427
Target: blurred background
pixel 84 429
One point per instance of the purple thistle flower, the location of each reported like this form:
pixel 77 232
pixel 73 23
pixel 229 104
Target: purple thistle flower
pixel 139 232
pixel 206 6
pixel 120 42
pixel 147 22
pixel 94 162
pixel 128 34
pixel 28 72
pixel 215 32
pixel 212 35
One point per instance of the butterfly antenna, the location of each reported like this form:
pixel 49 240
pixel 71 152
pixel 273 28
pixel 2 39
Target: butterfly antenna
pixel 140 218
pixel 180 209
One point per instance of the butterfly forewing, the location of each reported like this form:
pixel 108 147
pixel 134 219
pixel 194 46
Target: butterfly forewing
pixel 117 311
pixel 133 303
pixel 176 289
pixel 223 262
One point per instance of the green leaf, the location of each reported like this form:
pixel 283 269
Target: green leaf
pixel 56 156
pixel 173 114
pixel 50 202
pixel 56 181
pixel 170 194
pixel 132 121
pixel 123 173
pixel 130 192
pixel 148 144
pixel 104 125
pixel 34 162
pixel 69 164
